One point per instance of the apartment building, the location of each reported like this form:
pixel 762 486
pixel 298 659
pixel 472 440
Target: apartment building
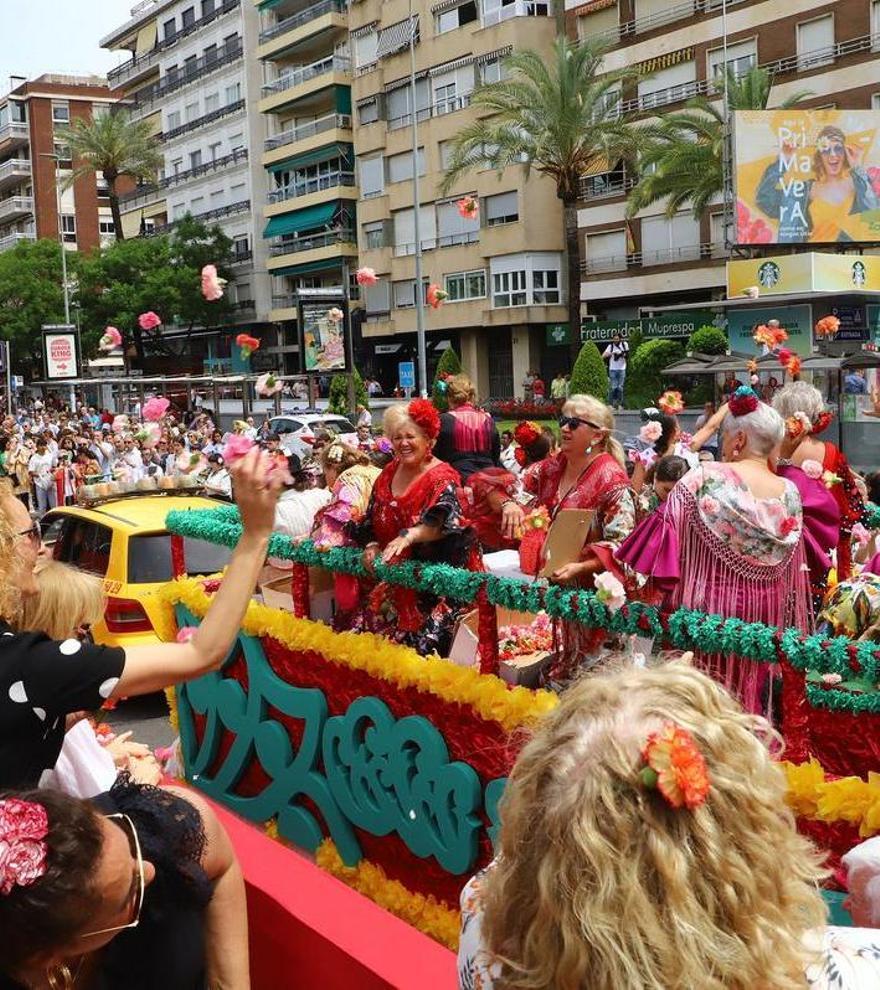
pixel 310 204
pixel 504 270
pixel 34 164
pixel 829 49
pixel 186 71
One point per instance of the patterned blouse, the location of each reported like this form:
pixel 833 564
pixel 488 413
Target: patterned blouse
pixel 847 958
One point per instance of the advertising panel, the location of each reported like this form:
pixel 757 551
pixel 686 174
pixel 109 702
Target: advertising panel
pixel 60 351
pixel 807 176
pixel 679 326
pixel 797 320
pixel 809 272
pixel 323 326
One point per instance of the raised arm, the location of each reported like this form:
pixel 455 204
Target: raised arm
pixel 708 429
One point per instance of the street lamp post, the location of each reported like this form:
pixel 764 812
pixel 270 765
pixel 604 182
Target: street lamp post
pixel 417 232
pixel 64 285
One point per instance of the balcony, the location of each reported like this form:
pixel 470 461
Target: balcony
pixel 294 134
pixel 16 207
pixel 199 122
pixel 149 193
pixel 605 185
pixel 303 17
pixel 12 240
pixel 660 18
pixel 303 73
pixel 438 109
pixel 242 257
pixel 331 180
pixel 519 8
pixel 312 242
pixel 649 259
pixel 14 171
pixel 210 216
pixel 145 100
pixel 14 132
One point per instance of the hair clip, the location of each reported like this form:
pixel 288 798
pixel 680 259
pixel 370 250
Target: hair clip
pixel 743 401
pixel 24 826
pixel 675 767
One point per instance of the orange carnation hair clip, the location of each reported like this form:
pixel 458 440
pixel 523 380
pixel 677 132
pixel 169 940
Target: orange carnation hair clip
pixel 675 767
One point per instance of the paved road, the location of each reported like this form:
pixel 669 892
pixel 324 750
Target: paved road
pixel 146 717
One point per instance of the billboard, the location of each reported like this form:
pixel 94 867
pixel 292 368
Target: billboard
pixel 807 272
pixel 323 324
pixel 650 327
pixel 61 352
pixel 797 320
pixel 807 176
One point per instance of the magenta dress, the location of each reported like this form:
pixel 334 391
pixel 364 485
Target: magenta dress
pixel 717 548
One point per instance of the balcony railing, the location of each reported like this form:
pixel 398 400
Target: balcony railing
pixel 311 185
pixel 11 240
pixel 438 109
pixel 312 241
pixel 606 185
pixel 14 130
pixel 146 193
pixel 15 168
pixel 454 240
pixel 243 206
pixel 242 257
pixel 660 18
pixel 145 99
pixel 303 73
pixel 519 8
pixel 328 123
pixel 303 17
pixel 16 206
pixel 649 259
pixel 208 118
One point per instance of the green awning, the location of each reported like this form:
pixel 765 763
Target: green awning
pixel 343 99
pixel 268 4
pixel 335 150
pixel 309 269
pixel 299 220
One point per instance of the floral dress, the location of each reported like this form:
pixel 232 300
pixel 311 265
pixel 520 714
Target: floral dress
pixel 846 958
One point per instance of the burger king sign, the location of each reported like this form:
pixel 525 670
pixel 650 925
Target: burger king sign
pixel 61 356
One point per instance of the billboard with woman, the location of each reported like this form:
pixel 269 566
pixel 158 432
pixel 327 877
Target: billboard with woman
pixel 807 176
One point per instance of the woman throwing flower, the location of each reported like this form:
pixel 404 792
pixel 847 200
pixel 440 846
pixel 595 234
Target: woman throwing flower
pixel 663 432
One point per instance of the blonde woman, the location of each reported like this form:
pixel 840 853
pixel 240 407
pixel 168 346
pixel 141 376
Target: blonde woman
pixel 610 878
pixel 468 439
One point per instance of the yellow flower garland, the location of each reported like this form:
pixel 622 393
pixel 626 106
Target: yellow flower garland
pixel 425 913
pixel 488 695
pixel 848 799
pixel 173 717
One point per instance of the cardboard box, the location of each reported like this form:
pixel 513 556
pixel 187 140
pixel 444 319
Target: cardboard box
pixel 525 670
pixel 277 593
pixel 465 644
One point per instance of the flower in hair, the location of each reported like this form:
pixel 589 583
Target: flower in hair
pixel 797 425
pixel 651 431
pixel 335 453
pixel 743 401
pixel 526 432
pixel 670 403
pixel 424 414
pixel 675 767
pixel 24 826
pixel 822 422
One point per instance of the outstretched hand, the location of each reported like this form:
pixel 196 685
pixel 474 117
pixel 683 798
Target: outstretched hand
pixel 256 485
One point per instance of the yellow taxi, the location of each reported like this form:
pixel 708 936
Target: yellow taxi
pixel 124 541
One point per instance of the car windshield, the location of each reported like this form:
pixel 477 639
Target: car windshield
pixel 334 426
pixel 149 558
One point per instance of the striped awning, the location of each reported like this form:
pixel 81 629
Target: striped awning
pixel 665 61
pixel 404 81
pixel 309 268
pixel 591 6
pixel 396 37
pixel 491 56
pixel 598 165
pixel 438 70
pixel 439 8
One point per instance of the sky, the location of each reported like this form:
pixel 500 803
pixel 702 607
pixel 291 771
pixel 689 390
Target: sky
pixel 58 36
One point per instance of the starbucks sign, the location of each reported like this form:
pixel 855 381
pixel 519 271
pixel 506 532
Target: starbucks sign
pixel 673 327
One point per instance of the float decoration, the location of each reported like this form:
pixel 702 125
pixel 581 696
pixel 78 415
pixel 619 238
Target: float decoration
pixel 268 385
pixel 468 207
pixel 366 276
pixel 110 340
pixel 149 320
pixel 827 326
pixel 212 284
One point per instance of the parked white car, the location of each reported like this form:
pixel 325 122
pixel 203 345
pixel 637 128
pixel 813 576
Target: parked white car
pixel 297 429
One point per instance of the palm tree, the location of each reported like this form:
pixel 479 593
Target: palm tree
pixel 558 115
pixel 682 156
pixel 114 145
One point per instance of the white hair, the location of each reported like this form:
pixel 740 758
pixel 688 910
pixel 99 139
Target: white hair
pixel 799 397
pixel 764 428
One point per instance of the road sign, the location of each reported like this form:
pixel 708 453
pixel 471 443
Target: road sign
pixel 406 374
pixel 17 381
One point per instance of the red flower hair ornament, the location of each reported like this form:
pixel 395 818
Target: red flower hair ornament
pixel 823 421
pixel 24 826
pixel 675 767
pixel 424 414
pixel 743 401
pixel 526 432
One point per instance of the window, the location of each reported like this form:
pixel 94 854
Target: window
pixel 526 279
pixel 188 17
pixel 60 113
pixel 494 70
pixel 207 8
pixel 405 293
pixel 212 102
pixel 85 544
pixel 102 188
pixel 667 240
pixel 169 29
pixel 545 287
pixel 99 110
pixel 668 85
pixel 238 193
pixel 400 166
pixel 195 159
pixel 405 231
pixel 740 57
pixel 177 165
pixel 509 289
pixel 210 55
pixel 374 234
pixel 466 285
pixel 150 558
pixel 372 180
pixel 368 111
pixel 191 112
pixel 815 42
pixel 366 48
pixel 446 148
pixel 449 20
pixel 875 101
pixel 453 228
pixel 451 88
pixel 501 208
pixel 106 227
pixel 68 228
pixel 241 245
pixel 190 67
pixel 214 149
pixel 62 153
pixel 233 93
pixel 173 120
pixel 216 199
pixel 606 252
pixel 171 74
pixel 197 205
pixel 399 103
pixel 377 298
pixel 875 24
pixel 236 142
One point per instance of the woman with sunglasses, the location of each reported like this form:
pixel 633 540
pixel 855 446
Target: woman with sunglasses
pixel 587 473
pixel 138 888
pixel 823 209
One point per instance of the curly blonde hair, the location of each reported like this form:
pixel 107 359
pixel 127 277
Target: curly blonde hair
pixel 10 598
pixel 601 884
pixel 68 598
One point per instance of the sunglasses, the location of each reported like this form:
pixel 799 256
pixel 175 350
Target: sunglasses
pixel 138 885
pixel 33 534
pixel 573 422
pixel 833 149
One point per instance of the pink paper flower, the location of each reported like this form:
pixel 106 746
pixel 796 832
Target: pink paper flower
pixel 610 591
pixel 212 284
pixel 24 826
pixel 831 679
pixel 186 633
pixel 468 207
pixel 235 448
pixel 268 385
pixel 651 431
pixel 860 534
pixel 149 434
pixel 120 423
pixel 812 469
pixel 155 408
pixel 112 339
pixel 149 320
pixel 436 296
pixel 335 314
pixel 366 276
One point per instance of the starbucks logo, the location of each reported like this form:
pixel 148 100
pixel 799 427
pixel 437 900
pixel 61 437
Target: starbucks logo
pixel 859 274
pixel 769 274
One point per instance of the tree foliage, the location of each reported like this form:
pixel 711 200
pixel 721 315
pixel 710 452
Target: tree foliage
pixel 644 381
pixel 448 364
pixel 708 340
pixel 589 376
pixel 681 156
pixel 338 403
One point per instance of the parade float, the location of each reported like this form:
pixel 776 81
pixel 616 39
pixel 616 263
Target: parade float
pixel 387 767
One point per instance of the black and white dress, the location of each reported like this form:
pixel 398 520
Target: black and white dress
pixel 42 681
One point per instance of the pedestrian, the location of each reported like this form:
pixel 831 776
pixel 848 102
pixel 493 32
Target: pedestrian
pixel 539 389
pixel 527 383
pixel 616 354
pixel 854 383
pixel 558 387
pixel 41 470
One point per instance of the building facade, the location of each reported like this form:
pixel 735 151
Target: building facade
pixel 188 73
pixel 504 270
pixel 828 49
pixel 35 164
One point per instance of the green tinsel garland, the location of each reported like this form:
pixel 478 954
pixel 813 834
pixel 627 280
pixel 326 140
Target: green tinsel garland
pixel 686 629
pixel 843 701
pixel 871 515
